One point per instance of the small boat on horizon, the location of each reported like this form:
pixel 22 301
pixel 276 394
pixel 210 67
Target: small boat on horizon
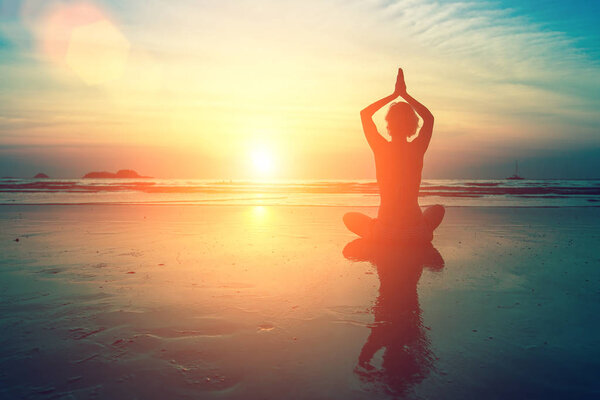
pixel 515 176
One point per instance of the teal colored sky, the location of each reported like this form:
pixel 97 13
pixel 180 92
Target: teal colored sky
pixel 205 80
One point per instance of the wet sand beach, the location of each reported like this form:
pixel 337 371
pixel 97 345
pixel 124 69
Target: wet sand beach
pixel 267 302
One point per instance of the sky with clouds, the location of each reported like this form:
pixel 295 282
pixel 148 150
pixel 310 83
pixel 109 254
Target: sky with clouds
pixel 199 88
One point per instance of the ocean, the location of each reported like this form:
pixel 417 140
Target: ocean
pixel 361 193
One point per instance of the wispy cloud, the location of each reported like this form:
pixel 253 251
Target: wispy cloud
pixel 201 72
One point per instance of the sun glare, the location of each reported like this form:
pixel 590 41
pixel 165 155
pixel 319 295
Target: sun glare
pixel 262 160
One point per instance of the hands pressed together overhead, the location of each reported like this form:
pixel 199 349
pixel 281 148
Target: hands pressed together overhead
pixel 400 89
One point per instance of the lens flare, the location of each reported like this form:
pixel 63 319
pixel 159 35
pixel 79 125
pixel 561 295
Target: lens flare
pixel 97 52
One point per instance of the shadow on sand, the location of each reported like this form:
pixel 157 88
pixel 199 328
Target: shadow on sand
pixel 397 332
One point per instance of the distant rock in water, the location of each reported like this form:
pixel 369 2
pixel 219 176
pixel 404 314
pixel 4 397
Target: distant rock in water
pixel 41 175
pixel 129 173
pixel 103 174
pixel 122 174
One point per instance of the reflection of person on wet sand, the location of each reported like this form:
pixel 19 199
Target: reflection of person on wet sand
pixel 397 325
pixel 398 164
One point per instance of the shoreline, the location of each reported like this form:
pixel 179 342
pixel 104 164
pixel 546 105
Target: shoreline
pixel 216 204
pixel 529 193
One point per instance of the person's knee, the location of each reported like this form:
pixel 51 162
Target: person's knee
pixel 351 220
pixel 439 210
pixel 347 218
pixel 434 215
pixel 357 223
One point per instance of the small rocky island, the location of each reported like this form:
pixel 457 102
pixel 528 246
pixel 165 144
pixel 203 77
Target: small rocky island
pixel 41 175
pixel 121 174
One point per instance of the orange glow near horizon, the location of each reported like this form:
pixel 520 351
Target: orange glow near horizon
pixel 181 90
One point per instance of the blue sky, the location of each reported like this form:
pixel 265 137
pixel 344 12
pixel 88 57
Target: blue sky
pixel 578 19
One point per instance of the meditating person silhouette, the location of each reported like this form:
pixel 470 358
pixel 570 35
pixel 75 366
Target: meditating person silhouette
pixel 398 165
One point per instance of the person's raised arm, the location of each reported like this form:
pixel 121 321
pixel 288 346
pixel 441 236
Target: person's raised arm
pixel 366 115
pixel 422 140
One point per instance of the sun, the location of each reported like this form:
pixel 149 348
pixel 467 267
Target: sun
pixel 262 161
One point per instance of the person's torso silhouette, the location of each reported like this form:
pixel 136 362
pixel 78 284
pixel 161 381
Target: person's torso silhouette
pixel 398 170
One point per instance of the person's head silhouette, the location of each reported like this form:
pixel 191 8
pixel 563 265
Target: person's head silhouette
pixel 402 121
